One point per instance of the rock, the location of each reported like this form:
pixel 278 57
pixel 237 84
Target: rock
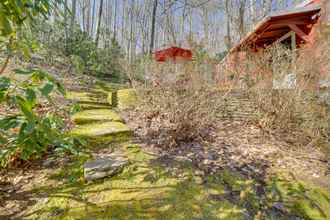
pixel 96 115
pixel 90 106
pixel 105 167
pixel 110 98
pixel 49 162
pixel 87 97
pixel 126 98
pixel 206 162
pixel 182 159
pixel 103 132
pixel 280 207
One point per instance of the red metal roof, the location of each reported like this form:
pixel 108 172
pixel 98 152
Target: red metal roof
pixel 173 54
pixel 277 24
pixel 313 2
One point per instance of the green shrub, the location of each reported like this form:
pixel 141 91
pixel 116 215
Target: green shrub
pixel 28 132
pixel 81 50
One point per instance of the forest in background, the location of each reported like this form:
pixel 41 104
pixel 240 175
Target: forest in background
pixel 140 26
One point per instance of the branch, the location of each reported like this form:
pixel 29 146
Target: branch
pixel 3 68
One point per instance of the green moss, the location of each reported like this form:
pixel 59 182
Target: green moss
pixel 110 99
pixel 146 190
pixel 108 87
pixel 90 106
pixel 97 115
pixel 301 198
pixel 103 132
pixel 135 195
pixel 126 98
pixel 86 97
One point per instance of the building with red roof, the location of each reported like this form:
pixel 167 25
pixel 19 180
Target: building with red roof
pixel 173 54
pixel 295 28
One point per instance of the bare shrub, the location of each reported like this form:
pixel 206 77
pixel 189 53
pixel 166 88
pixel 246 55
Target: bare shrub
pixel 178 105
pixel 294 104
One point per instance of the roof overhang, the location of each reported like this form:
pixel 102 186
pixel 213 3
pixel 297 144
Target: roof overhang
pixel 277 24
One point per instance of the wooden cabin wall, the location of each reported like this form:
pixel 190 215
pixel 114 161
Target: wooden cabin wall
pixel 325 19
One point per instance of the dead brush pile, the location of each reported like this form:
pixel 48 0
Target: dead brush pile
pixel 298 104
pixel 178 106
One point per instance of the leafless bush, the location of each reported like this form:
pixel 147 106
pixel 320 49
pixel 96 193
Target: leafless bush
pixel 178 105
pixel 294 103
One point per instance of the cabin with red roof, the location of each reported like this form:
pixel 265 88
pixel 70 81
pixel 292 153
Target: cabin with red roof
pixel 173 54
pixel 295 28
pixel 296 24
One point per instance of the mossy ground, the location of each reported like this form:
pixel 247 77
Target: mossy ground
pixel 142 191
pixel 303 198
pixel 148 190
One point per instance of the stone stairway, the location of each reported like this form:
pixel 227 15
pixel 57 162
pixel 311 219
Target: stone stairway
pixel 238 106
pixel 99 121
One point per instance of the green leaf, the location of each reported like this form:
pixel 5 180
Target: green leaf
pixel 9 122
pixel 2 96
pixel 25 50
pixel 25 107
pixel 4 83
pixel 27 128
pixel 24 71
pixel 38 75
pixel 6 27
pixel 3 140
pixel 60 88
pixel 47 89
pixel 31 96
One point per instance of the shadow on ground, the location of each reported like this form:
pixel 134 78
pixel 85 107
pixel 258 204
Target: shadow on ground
pixel 156 188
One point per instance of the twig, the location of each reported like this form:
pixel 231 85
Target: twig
pixel 3 68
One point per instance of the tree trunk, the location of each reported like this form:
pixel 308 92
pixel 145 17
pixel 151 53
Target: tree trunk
pixel 228 40
pixel 88 19
pixel 93 18
pixel 66 25
pixel 183 19
pixel 115 21
pixel 99 23
pixel 73 17
pixel 241 17
pixel 153 24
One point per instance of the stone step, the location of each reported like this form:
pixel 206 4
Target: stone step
pixel 108 166
pixel 126 98
pixel 92 91
pixel 96 115
pixel 103 132
pixel 85 97
pixel 91 106
pixel 123 98
pixel 109 87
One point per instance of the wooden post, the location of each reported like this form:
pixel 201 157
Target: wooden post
pixel 294 46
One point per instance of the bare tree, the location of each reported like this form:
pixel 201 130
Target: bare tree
pixel 228 40
pixel 115 21
pixel 99 23
pixel 153 24
pixel 73 16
